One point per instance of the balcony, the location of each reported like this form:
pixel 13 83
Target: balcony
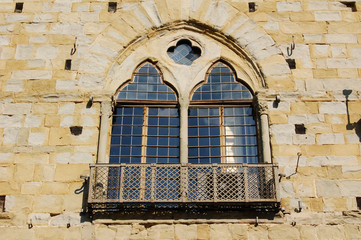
pixel 114 187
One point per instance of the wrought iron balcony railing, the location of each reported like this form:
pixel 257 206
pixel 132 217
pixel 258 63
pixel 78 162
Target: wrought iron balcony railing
pixel 117 184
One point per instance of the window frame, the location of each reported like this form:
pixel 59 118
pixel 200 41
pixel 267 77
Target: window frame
pixel 228 103
pixel 146 105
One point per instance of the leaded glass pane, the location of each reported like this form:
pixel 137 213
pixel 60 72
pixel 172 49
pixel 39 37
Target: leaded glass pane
pixel 162 135
pixel 184 53
pixel 240 135
pixel 221 85
pixel 203 135
pixel 147 85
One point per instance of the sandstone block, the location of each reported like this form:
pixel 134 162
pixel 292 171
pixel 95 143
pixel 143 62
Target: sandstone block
pixel 318 5
pixel 328 16
pixel 46 52
pixel 90 81
pixel 37 138
pixel 260 232
pixel 31 74
pixel 334 204
pixel 306 189
pixel 352 231
pixel 330 138
pixel 102 232
pixel 6 158
pixel 350 187
pixel 161 231
pixel 24 51
pixel 308 232
pixel 48 233
pixel 282 133
pixel 341 38
pixel 330 232
pixel 67 121
pixel 11 233
pixel 71 172
pixel 31 188
pixel 11 135
pixel 328 188
pixel 289 6
pixel 123 232
pixel 18 203
pixel 33 121
pixel 287 189
pixel 203 232
pixel 320 51
pixel 39 218
pixel 73 203
pixel 11 120
pixel 186 232
pixel 54 188
pixel 48 204
pixel 333 108
pixel 345 150
pixel 6 173
pixel 65 218
pixel 66 85
pixel 220 231
pixel 66 108
pixel 24 172
pixel 283 231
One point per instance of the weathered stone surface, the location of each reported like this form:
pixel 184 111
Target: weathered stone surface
pixel 186 232
pixel 283 231
pixel 64 219
pixel 161 232
pixel 327 188
pixel 260 232
pixel 331 232
pixel 39 218
pixel 220 231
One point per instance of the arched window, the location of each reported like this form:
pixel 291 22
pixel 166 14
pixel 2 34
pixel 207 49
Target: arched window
pixel 221 123
pixel 145 126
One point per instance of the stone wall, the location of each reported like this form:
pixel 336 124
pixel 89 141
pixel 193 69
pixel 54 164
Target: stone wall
pixel 49 131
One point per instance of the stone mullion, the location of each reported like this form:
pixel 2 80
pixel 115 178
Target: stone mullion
pixel 106 113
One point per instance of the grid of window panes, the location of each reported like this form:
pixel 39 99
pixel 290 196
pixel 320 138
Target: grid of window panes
pixel 222 134
pixel 184 54
pixel 158 127
pixel 221 85
pixel 147 85
pixel 240 135
pixel 126 138
pixel 204 137
pixel 163 135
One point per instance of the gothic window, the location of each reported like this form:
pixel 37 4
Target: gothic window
pixel 145 126
pixel 221 124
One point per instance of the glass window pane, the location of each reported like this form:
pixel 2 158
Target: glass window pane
pixel 221 85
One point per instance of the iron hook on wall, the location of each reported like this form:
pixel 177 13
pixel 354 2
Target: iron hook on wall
pixel 73 50
pixel 292 47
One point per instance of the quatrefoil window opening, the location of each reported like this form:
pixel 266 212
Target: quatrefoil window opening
pixel 184 53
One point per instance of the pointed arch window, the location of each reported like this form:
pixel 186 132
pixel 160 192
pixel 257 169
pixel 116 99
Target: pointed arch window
pixel 145 125
pixel 221 122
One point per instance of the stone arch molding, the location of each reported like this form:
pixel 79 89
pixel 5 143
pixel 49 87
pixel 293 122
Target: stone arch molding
pixel 114 52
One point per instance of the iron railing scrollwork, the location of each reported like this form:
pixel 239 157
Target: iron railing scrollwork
pixel 176 183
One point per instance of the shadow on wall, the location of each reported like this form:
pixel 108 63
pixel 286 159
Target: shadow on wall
pixel 357 126
pixel 84 189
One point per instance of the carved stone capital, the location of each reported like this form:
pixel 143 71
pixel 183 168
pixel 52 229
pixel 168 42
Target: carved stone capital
pixel 106 108
pixel 262 108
